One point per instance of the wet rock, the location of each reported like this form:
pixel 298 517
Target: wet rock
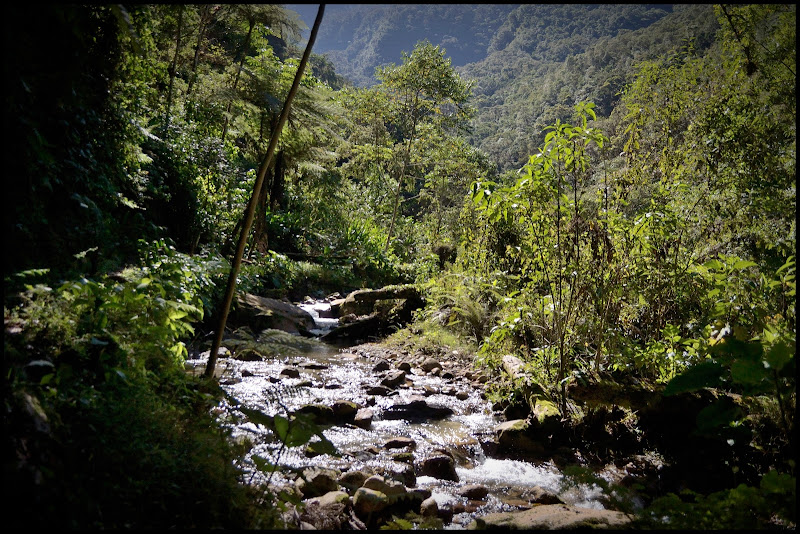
pixel 439 466
pixel 394 379
pixel 429 508
pixel 314 365
pixel 352 480
pixel 261 313
pixel 417 410
pixel 540 495
pixel 290 372
pixel 474 491
pixel 321 414
pixel 469 507
pixel 551 517
pixel 405 457
pixel 316 482
pixel 366 501
pixel 462 395
pixel 363 418
pixel 400 443
pixel 382 365
pixel 404 366
pixel 429 364
pixel 344 411
pixel 380 391
pixel 388 487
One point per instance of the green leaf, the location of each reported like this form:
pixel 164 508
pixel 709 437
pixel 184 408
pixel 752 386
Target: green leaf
pixel 743 264
pixel 774 482
pixel 722 413
pixel 779 354
pixel 258 417
pixel 323 446
pixel 705 374
pixel 281 427
pixel 748 371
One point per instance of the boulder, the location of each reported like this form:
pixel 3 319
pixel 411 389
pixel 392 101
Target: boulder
pixel 261 313
pixel 321 414
pixel 514 439
pixel 394 379
pixel 366 501
pixel 417 410
pixel 552 517
pixel 440 466
pixel 344 411
pixel 317 482
pixel 363 418
pixel 363 301
pixel 352 480
pixel 373 313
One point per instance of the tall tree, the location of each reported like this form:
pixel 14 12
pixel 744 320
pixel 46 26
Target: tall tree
pixel 424 88
pixel 250 213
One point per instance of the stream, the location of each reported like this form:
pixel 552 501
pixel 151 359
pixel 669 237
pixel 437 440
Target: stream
pixel 324 374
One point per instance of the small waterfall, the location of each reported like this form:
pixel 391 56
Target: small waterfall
pixel 321 312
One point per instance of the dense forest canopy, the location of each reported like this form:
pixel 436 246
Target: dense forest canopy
pixel 601 190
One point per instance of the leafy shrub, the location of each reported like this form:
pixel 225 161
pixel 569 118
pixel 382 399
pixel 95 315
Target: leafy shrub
pixel 111 430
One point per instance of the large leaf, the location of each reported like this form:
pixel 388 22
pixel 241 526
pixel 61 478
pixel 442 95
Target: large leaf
pixel 702 375
pixel 722 413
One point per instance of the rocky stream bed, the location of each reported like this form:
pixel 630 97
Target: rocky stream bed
pixel 415 437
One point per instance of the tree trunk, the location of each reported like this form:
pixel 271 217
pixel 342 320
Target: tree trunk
pixel 251 206
pixel 206 14
pixel 236 80
pixel 173 70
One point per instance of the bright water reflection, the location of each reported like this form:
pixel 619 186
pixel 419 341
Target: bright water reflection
pixel 326 374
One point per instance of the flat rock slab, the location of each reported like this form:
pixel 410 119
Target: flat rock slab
pixel 552 517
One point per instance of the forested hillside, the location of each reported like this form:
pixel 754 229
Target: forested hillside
pixel 530 64
pixel 605 193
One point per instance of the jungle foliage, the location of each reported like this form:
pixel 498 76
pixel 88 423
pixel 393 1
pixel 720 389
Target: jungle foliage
pixel 649 231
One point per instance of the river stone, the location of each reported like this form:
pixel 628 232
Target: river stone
pixel 400 443
pixel 405 457
pixel 332 497
pixel 429 508
pixel 441 466
pixel 394 379
pixel 381 391
pixel 382 365
pixel 321 414
pixel 290 372
pixel 363 418
pixel 474 491
pixel 352 480
pixel 344 410
pixel 417 410
pixel 261 313
pixel 551 517
pixel 389 487
pixel 430 364
pixel 317 482
pixel 366 501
